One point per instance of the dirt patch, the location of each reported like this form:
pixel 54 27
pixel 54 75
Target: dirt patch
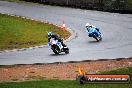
pixel 61 71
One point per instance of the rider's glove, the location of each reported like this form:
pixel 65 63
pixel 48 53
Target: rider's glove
pixel 49 44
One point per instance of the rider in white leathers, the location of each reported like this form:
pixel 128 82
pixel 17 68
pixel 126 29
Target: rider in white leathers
pixel 91 28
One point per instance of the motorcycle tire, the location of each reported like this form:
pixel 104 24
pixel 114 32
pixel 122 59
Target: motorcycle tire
pixel 67 51
pixel 56 50
pixel 97 39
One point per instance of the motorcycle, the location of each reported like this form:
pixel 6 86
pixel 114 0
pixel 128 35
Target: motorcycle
pixel 92 32
pixel 57 47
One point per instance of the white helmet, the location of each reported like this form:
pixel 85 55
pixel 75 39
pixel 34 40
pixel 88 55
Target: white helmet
pixel 88 25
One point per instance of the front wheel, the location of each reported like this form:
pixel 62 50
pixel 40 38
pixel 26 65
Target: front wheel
pixel 97 39
pixel 55 49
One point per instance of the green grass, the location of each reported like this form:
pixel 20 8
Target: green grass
pixel 60 84
pixel 68 83
pixel 19 33
pixel 119 71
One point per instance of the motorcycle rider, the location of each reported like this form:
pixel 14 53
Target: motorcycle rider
pixel 56 37
pixel 92 28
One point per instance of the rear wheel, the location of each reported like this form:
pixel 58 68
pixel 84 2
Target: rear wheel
pixel 67 51
pixel 100 38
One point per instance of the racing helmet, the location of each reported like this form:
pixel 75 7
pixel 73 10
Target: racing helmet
pixel 49 34
pixel 88 25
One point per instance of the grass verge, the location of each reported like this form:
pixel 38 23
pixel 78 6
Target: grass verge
pixel 69 83
pixel 22 33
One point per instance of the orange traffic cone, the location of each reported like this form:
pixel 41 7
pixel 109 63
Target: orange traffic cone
pixel 63 26
pixel 81 71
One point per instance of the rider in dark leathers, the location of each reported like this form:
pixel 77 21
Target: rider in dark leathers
pixel 56 37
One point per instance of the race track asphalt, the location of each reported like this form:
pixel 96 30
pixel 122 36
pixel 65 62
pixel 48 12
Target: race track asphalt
pixel 116 31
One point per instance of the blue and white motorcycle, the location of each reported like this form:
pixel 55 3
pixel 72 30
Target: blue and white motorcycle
pixel 92 32
pixel 57 47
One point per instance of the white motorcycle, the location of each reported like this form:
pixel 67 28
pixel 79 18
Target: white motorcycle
pixel 57 47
